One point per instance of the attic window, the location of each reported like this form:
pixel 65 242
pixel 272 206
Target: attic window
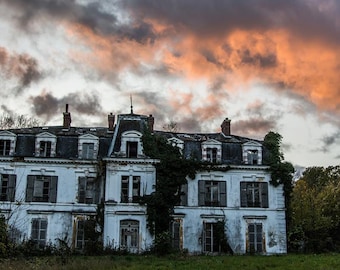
pixel 88 146
pixel 212 151
pixel 131 149
pixel 7 143
pixel 131 145
pixel 45 145
pixel 252 153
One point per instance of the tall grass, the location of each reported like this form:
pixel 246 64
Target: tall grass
pixel 286 262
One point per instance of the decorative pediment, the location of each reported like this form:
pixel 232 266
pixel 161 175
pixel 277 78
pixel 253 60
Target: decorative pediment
pixel 132 134
pixel 46 135
pixel 252 144
pixel 6 133
pixel 211 142
pixel 252 153
pixel 88 137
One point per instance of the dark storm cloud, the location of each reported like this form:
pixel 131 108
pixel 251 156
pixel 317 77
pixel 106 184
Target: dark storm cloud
pixel 48 105
pixel 21 66
pixel 262 61
pixel 329 141
pixel 92 15
pixel 252 126
pixel 213 17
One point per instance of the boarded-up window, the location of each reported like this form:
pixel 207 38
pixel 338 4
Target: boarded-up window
pixel 212 193
pixel 8 184
pixel 41 188
pixel 39 231
pixel 254 194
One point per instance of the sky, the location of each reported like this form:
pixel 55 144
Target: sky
pixel 266 65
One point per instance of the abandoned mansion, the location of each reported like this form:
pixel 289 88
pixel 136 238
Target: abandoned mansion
pixel 53 179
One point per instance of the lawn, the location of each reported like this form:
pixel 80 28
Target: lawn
pixel 296 262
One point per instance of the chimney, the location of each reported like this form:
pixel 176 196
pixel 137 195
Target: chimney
pixel 151 121
pixel 225 127
pixel 111 121
pixel 67 118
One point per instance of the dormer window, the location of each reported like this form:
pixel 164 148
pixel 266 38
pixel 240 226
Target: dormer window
pixel 5 147
pixel 45 145
pixel 177 143
pixel 88 146
pixel 212 154
pixel 212 151
pixel 45 148
pixel 7 143
pixel 252 153
pixel 131 146
pixel 131 149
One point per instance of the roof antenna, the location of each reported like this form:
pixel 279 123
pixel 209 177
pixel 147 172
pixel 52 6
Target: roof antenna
pixel 131 104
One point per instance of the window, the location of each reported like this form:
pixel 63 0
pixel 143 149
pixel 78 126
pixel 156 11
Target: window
pixel 45 149
pixel 88 190
pixel 212 155
pixel 88 151
pixel 254 194
pixel 41 188
pixel 175 232
pixel 131 149
pixel 212 151
pixel 255 239
pixel 130 189
pixel 212 193
pixel 39 231
pixel 5 147
pixel 84 230
pixel 129 235
pixel 253 157
pixel 7 187
pixel 210 237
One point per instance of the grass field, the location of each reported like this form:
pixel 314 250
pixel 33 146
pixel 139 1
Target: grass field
pixel 296 262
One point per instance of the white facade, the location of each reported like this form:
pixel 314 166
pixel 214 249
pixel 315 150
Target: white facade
pixel 54 180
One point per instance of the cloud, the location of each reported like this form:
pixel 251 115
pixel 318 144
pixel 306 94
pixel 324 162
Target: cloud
pixel 46 104
pixel 329 141
pixel 21 67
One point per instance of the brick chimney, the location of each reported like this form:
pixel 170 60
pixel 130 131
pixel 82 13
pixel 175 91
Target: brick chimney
pixel 111 121
pixel 67 118
pixel 225 127
pixel 151 121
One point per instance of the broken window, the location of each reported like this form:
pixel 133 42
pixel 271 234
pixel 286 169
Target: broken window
pixel 45 149
pixel 255 239
pixel 131 149
pixel 210 237
pixel 39 229
pixel 8 183
pixel 212 193
pixel 41 188
pixel 5 147
pixel 129 235
pixel 212 155
pixel 87 150
pixel 130 189
pixel 254 194
pixel 88 190
pixel 84 232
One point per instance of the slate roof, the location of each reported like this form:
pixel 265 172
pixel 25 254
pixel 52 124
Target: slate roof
pixel 67 139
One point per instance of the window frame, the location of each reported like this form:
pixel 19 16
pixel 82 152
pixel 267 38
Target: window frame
pixel 130 188
pixel 47 184
pixel 5 147
pixel 210 239
pixel 88 190
pixel 255 238
pixel 129 235
pixel 39 232
pixel 208 187
pixel 254 194
pixel 8 187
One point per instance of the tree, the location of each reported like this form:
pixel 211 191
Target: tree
pixel 316 210
pixel 17 121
